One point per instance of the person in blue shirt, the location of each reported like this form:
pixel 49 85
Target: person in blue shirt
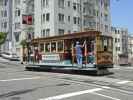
pixel 79 55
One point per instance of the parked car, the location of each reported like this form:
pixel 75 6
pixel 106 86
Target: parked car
pixel 10 56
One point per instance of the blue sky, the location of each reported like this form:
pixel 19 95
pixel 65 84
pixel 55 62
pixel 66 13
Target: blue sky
pixel 122 14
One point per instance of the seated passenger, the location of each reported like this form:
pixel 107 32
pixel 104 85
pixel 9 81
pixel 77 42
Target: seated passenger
pixel 91 58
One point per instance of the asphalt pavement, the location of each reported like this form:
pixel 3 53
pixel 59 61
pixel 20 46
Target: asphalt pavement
pixel 18 84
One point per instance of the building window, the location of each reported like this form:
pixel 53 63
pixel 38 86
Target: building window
pixel 115 40
pixel 106 17
pixel 61 17
pixel 61 31
pixel 118 40
pixel 47 17
pixel 17 25
pixel 17 34
pixel 115 31
pixel 106 28
pixel 17 2
pixel 118 32
pixel 101 15
pixel 78 20
pixel 74 19
pixel 77 6
pixel 2 13
pixel 5 2
pixel 84 10
pixel 94 12
pixel 61 3
pixel 69 18
pixel 43 17
pixel 1 25
pixel 5 25
pixel 5 13
pixel 115 48
pixel 43 33
pixel 119 48
pixel 47 32
pixel 17 12
pixel 74 6
pixel 97 13
pixel 68 3
pixel 45 3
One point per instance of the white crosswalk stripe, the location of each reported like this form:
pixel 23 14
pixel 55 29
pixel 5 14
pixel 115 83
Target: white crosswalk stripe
pixel 123 82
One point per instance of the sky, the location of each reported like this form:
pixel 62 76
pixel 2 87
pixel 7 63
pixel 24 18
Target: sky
pixel 122 14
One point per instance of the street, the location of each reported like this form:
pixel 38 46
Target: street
pixel 18 84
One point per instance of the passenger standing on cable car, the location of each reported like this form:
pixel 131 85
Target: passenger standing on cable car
pixel 79 54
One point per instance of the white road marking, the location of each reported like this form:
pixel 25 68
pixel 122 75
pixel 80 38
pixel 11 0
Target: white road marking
pixel 19 79
pixel 109 97
pixel 123 82
pixel 96 85
pixel 116 68
pixel 59 97
pixel 130 67
pixel 105 87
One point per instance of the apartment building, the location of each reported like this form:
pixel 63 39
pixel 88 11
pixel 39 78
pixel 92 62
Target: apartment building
pixel 11 22
pixel 120 43
pixel 6 22
pixel 21 28
pixel 130 48
pixel 57 17
pixel 52 17
pixel 96 15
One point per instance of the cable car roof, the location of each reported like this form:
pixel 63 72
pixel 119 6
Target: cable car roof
pixel 91 34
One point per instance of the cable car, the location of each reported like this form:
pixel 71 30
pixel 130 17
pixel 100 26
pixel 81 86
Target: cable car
pixel 59 52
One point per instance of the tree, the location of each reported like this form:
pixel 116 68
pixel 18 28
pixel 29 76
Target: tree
pixel 23 43
pixel 2 37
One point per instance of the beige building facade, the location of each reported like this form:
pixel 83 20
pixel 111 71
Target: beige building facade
pixel 130 48
pixel 120 44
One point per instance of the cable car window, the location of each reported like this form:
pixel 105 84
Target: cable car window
pixel 42 47
pixel 60 46
pixel 110 45
pixel 53 47
pixel 99 44
pixel 105 44
pixel 47 47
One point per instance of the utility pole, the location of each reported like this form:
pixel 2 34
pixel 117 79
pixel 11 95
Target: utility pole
pixel 81 16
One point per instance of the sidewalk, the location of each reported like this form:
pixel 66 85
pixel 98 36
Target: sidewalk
pixel 122 66
pixel 3 60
